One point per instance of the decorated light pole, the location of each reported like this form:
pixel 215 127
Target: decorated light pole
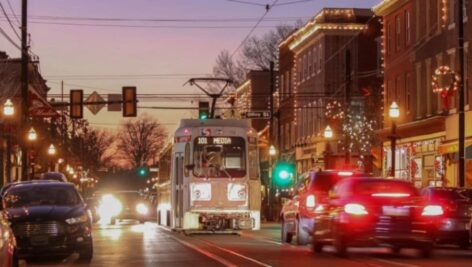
pixel 328 135
pixel 393 113
pixel 32 137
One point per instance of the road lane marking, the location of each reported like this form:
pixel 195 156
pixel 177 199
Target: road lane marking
pixel 395 263
pixel 235 253
pixel 205 252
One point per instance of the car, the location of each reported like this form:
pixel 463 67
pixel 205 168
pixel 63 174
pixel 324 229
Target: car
pixel 8 249
pixel 49 218
pixel 55 176
pixel 457 204
pixel 297 214
pixel 376 212
pixel 122 205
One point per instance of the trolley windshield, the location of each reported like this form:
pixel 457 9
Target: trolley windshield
pixel 223 157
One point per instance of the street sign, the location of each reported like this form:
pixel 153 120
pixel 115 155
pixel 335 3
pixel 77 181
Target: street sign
pixel 92 105
pixel 114 100
pixel 264 114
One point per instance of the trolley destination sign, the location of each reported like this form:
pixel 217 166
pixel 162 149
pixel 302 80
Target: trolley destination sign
pixel 214 140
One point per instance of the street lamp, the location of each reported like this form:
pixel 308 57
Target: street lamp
pixel 272 151
pixel 328 132
pixel 32 135
pixel 52 152
pixel 394 114
pixel 8 108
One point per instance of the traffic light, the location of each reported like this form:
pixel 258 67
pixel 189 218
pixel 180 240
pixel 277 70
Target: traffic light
pixel 143 171
pixel 76 105
pixel 283 174
pixel 203 110
pixel 130 102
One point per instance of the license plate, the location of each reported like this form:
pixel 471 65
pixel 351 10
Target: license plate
pixel 39 240
pixel 395 211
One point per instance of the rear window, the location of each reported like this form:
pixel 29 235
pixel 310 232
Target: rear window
pixel 456 194
pixel 383 188
pixel 326 181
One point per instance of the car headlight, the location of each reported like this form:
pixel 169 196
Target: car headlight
pixel 76 220
pixel 142 209
pixel 200 192
pixel 237 192
pixel 109 206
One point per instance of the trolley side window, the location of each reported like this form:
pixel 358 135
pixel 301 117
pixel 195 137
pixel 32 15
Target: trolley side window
pixel 223 157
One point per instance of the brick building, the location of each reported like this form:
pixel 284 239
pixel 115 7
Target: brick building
pixel 318 76
pixel 419 37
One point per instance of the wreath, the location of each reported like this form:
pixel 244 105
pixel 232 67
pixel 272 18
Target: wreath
pixel 445 82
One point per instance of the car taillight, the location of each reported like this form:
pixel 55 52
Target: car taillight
pixel 345 173
pixel 310 201
pixel 355 209
pixel 432 210
pixel 391 195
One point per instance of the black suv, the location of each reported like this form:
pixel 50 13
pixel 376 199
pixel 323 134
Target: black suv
pixel 49 218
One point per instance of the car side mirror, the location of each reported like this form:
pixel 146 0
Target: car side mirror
pixel 190 167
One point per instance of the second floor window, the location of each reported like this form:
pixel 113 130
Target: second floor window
pixel 407 27
pixel 398 30
pixel 389 38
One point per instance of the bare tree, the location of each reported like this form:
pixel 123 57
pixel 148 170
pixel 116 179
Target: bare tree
pixel 139 140
pixel 227 67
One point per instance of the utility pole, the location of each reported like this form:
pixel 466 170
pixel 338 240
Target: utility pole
pixel 347 105
pixel 271 140
pixel 460 24
pixel 24 88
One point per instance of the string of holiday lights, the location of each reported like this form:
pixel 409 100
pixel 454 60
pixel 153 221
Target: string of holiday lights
pixel 360 130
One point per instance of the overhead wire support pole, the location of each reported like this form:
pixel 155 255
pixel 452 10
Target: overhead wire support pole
pixel 24 88
pixel 214 97
pixel 460 23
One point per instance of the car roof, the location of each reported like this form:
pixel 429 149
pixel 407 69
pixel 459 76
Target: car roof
pixel 40 183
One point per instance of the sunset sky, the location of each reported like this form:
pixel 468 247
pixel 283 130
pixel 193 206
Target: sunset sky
pixel 174 50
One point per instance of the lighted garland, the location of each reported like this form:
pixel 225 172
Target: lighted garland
pixel 360 131
pixel 334 110
pixel 445 91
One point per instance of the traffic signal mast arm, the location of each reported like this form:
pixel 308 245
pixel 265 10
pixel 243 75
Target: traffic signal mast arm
pixel 214 97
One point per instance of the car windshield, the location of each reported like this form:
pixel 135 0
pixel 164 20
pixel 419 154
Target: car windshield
pixel 220 157
pixel 383 188
pixel 452 194
pixel 40 196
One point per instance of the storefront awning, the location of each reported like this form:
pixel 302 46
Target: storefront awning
pixel 453 147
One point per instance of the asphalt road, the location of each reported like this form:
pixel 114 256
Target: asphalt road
pixel 134 245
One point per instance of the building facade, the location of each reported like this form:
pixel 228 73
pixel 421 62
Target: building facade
pixel 322 51
pixel 421 39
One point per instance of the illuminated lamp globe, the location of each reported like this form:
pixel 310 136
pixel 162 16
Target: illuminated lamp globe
pixel 52 150
pixel 328 132
pixel 394 111
pixel 32 135
pixel 272 150
pixel 8 108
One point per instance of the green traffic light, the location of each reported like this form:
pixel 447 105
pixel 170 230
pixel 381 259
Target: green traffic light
pixel 142 171
pixel 283 174
pixel 203 116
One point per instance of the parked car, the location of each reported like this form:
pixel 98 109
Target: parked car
pixel 55 176
pixel 375 212
pixel 457 205
pixel 121 205
pixel 297 215
pixel 49 218
pixel 8 249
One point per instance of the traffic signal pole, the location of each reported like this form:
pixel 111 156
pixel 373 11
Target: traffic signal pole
pixel 460 24
pixel 24 89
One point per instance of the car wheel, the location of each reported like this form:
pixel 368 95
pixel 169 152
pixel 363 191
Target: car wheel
pixel 464 243
pixel 396 249
pixel 86 253
pixel 340 244
pixel 286 236
pixel 426 251
pixel 317 246
pixel 302 236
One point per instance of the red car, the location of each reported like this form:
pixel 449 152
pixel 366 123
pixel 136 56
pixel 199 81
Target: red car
pixel 298 214
pixel 376 212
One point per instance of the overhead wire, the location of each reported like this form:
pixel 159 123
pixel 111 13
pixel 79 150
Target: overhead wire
pixel 9 21
pixel 13 12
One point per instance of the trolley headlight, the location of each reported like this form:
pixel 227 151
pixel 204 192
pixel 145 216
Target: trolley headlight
pixel 200 191
pixel 109 207
pixel 142 209
pixel 237 192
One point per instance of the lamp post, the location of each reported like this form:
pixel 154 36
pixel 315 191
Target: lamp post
pixel 8 112
pixel 328 134
pixel 394 114
pixel 32 137
pixel 51 153
pixel 272 153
